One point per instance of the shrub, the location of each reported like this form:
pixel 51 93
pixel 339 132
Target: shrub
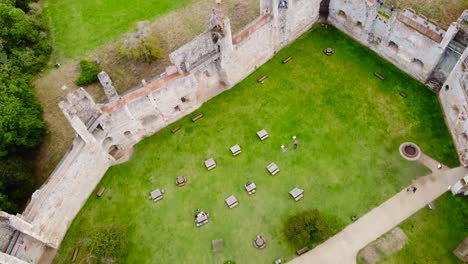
pixel 109 241
pixel 147 48
pixel 89 72
pixel 229 262
pixel 307 229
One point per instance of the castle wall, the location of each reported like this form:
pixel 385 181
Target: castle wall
pixel 203 68
pixel 454 100
pixel 411 42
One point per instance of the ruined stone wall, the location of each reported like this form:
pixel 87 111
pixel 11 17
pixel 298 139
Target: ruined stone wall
pixel 410 41
pixel 210 64
pixel 454 100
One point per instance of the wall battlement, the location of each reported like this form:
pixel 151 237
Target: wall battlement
pixel 203 68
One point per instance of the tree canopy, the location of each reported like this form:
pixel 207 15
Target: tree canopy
pixel 24 49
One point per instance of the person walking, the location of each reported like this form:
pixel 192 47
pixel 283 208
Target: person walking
pixel 295 142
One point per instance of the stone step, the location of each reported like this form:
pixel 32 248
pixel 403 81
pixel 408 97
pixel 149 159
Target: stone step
pixel 13 240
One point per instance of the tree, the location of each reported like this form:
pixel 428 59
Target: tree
pixel 89 72
pixel 307 229
pixel 16 183
pixel 24 49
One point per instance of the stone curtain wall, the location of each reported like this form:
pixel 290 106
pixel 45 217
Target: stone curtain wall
pixel 203 68
pixel 454 100
pixel 210 64
pixel 411 42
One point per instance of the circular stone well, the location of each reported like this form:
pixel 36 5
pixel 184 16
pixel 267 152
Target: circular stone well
pixel 181 180
pixel 259 242
pixel 328 51
pixel 410 151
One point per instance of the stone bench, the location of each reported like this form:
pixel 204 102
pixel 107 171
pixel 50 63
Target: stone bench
pixel 210 164
pixel 262 134
pixel 262 78
pixel 235 150
pixel 272 168
pixel 302 251
pixel 286 60
pixel 100 192
pixel 379 75
pixel 175 129
pixel 197 117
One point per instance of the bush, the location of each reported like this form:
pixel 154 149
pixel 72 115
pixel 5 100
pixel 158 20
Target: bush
pixel 229 262
pixel 307 229
pixel 109 241
pixel 147 48
pixel 89 72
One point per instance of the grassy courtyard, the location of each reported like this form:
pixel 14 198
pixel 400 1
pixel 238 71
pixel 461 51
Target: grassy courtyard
pixel 446 226
pixel 80 26
pixel 349 125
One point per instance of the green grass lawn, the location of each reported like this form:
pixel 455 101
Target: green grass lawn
pixel 80 26
pixel 434 235
pixel 349 125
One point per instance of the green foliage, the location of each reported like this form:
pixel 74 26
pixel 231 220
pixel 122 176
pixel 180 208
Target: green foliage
pixel 382 13
pixel 89 72
pixel 109 241
pixel 307 229
pixel 16 183
pixel 147 48
pixel 229 262
pixel 24 49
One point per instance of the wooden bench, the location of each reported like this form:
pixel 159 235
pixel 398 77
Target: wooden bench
pixel 175 129
pixel 286 60
pixel 101 191
pixel 75 254
pixel 262 79
pixel 197 117
pixel 302 251
pixel 403 94
pixel 379 75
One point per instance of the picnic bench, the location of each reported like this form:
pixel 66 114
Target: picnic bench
pixel 379 75
pixel 201 218
pixel 210 164
pixel 273 168
pixel 235 150
pixel 250 187
pixel 262 134
pixel 297 193
pixel 156 195
pixel 197 117
pixel 231 201
pixel 403 94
